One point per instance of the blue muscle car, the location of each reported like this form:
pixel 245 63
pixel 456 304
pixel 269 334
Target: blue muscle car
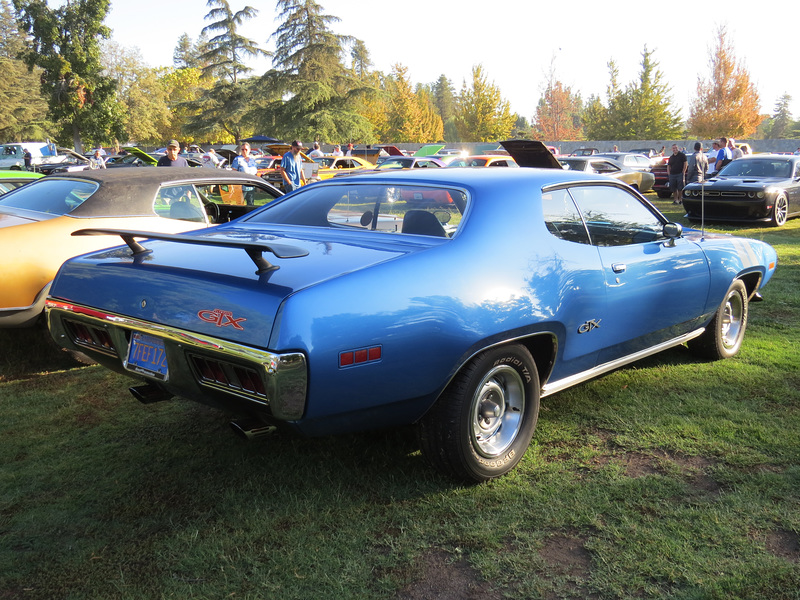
pixel 345 307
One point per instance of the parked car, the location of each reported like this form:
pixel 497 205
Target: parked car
pixel 484 160
pixel 334 165
pixel 66 161
pixel 340 308
pixel 606 166
pixel 762 187
pixel 37 220
pixel 12 155
pixel 585 152
pixel 632 160
pixel 267 165
pixel 11 180
pixel 409 162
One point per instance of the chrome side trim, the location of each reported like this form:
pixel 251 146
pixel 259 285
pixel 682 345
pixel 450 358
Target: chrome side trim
pixel 286 374
pixel 562 384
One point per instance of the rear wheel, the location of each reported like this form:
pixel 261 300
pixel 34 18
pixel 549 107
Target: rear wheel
pixel 482 424
pixel 780 211
pixel 664 194
pixel 723 336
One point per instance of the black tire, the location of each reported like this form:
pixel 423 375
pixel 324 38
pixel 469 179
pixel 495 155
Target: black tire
pixel 780 212
pixel 723 336
pixel 482 424
pixel 664 194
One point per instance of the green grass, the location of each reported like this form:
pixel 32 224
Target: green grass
pixel 672 478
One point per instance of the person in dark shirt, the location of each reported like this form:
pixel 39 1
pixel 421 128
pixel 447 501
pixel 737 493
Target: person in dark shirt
pixel 676 167
pixel 171 159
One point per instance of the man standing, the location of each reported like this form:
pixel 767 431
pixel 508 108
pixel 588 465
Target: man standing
pixel 292 168
pixel 724 155
pixel 676 167
pixel 27 158
pixel 337 150
pixel 246 164
pixel 735 152
pixel 697 165
pixel 210 159
pixel 316 152
pixel 171 158
pixel 97 162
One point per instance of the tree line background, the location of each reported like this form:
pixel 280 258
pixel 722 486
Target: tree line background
pixel 66 79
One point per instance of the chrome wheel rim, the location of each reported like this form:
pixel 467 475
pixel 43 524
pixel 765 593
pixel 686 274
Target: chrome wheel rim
pixel 781 211
pixel 498 406
pixel 731 326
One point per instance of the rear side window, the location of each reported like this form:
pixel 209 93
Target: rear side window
pixel 51 196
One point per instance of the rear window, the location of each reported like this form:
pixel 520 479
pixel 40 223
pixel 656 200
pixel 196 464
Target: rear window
pixel 411 209
pixel 51 196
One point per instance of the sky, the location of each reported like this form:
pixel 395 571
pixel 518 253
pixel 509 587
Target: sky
pixel 517 41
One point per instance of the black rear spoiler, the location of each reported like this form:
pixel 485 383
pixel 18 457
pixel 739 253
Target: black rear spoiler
pixel 254 249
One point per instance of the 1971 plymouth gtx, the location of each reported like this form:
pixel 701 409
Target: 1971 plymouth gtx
pixel 340 307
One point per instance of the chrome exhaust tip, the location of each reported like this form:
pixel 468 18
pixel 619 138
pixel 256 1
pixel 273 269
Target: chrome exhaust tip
pixel 252 430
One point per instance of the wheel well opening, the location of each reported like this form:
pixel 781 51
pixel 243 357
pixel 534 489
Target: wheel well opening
pixel 543 350
pixel 750 281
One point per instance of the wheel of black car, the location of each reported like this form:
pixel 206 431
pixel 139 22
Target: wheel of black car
pixel 780 211
pixel 723 336
pixel 664 194
pixel 482 424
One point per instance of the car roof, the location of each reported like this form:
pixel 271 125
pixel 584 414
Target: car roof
pixel 131 191
pixel 488 179
pixel 15 174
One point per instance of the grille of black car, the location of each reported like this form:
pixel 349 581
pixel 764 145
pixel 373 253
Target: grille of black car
pixel 89 336
pixel 228 376
pixel 728 194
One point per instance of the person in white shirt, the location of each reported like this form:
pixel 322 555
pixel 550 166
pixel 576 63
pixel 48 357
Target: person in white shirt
pixel 316 152
pixel 337 150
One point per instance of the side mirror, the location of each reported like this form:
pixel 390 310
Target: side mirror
pixel 672 231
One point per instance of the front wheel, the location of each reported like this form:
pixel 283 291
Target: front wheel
pixel 482 424
pixel 723 336
pixel 780 212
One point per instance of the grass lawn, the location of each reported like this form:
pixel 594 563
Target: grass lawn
pixel 671 478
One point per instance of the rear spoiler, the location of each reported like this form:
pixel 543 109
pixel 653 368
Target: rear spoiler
pixel 254 249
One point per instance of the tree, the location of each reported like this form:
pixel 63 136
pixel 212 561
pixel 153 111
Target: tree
pixel 640 112
pixel 181 88
pixel 23 111
pixel 780 125
pixel 139 91
pixel 314 95
pixel 558 112
pixel 361 62
pixel 224 54
pixel 727 104
pixel 64 43
pixel 482 115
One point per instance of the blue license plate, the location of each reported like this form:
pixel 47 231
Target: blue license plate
pixel 147 356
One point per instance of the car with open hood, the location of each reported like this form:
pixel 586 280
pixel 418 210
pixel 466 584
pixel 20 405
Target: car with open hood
pixel 12 179
pixel 37 220
pixel 762 187
pixel 342 308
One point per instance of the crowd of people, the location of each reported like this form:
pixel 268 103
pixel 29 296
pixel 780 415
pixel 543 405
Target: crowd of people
pixel 698 166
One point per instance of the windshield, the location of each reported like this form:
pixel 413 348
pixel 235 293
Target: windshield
pixel 421 210
pixel 573 165
pixel 51 196
pixel 325 161
pixel 395 163
pixel 755 167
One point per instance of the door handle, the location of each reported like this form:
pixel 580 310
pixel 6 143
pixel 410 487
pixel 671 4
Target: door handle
pixel 618 267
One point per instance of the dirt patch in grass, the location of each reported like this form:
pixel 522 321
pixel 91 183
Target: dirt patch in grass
pixel 784 544
pixel 568 565
pixel 443 578
pixel 693 468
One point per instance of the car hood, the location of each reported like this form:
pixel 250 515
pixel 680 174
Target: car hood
pixel 530 153
pixel 181 284
pixel 726 183
pixel 138 152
